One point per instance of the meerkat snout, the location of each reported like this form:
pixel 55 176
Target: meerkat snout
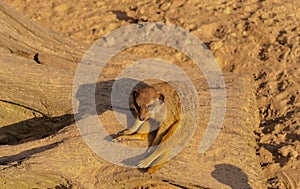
pixel 147 102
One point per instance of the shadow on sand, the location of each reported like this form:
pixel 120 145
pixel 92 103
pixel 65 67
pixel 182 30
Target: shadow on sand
pixel 231 176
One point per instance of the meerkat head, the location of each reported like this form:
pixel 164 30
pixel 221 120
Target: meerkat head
pixel 147 102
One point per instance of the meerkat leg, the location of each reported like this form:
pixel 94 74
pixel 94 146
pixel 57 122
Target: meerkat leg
pixel 161 153
pixel 160 137
pixel 162 159
pixel 134 128
pixel 149 160
pixel 136 136
pixel 131 133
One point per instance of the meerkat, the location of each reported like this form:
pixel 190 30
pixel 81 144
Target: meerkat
pixel 149 102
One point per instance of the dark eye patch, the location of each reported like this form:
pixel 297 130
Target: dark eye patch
pixel 137 106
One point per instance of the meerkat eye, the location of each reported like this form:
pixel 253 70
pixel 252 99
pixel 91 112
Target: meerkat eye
pixel 150 106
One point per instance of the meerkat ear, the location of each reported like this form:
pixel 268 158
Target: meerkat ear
pixel 161 97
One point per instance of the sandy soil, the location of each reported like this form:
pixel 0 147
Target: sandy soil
pixel 256 37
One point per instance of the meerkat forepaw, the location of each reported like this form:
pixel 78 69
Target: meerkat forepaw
pixel 145 163
pixel 118 139
pixel 127 132
pixel 123 132
pixel 149 160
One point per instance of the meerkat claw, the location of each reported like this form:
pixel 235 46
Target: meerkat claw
pixel 144 163
pixel 126 132
pixel 149 160
pixel 118 139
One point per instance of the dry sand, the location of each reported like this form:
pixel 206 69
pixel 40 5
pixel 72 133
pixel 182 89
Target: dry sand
pixel 256 37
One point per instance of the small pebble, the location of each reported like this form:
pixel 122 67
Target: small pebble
pixel 227 10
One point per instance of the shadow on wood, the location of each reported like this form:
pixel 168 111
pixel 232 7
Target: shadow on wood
pixel 41 127
pixel 22 156
pixel 33 129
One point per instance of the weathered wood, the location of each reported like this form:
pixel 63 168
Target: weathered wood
pixel 36 66
pixel 41 146
pixel 22 38
pixel 231 161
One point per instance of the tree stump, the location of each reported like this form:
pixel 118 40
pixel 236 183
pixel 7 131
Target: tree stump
pixel 42 148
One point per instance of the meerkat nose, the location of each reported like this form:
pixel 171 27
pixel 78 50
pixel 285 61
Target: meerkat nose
pixel 142 118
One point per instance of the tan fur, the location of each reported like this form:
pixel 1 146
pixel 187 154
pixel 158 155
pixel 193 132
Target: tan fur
pixel 142 99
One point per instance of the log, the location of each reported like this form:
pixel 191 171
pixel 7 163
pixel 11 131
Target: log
pixel 41 146
pixel 34 61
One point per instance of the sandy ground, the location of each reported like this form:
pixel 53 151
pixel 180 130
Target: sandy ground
pixel 256 37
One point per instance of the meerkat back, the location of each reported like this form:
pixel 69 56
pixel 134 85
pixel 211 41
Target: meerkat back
pixel 173 109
